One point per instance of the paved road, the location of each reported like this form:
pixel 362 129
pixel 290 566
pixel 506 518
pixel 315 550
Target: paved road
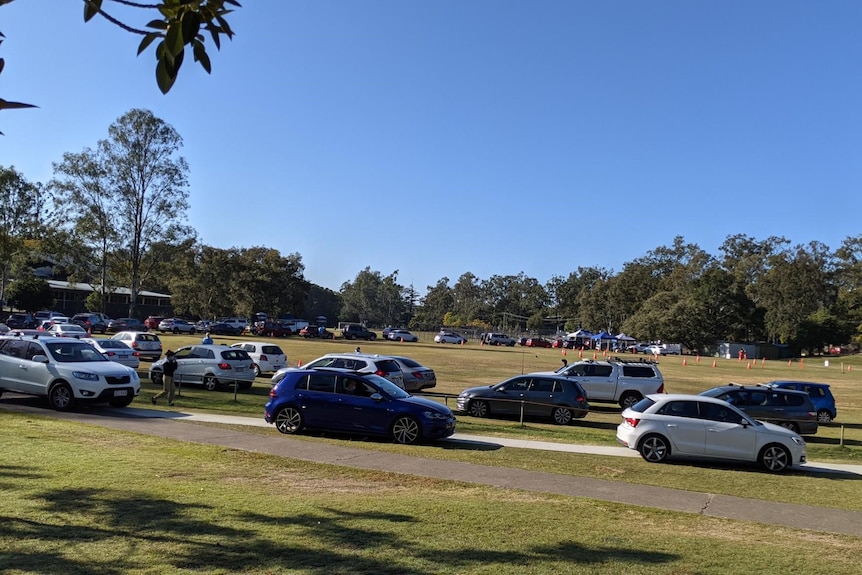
pixel 174 425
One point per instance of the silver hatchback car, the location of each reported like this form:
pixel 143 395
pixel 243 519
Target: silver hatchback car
pixel 209 366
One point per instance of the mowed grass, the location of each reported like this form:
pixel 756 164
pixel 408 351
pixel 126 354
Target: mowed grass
pixel 82 499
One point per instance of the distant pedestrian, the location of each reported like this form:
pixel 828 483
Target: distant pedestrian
pixel 207 340
pixel 168 369
pixel 358 350
pixel 565 363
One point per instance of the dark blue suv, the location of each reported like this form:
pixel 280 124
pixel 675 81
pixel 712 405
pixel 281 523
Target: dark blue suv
pixel 351 403
pixel 820 396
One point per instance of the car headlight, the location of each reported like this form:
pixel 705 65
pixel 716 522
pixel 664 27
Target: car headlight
pixel 798 440
pixel 435 415
pixel 85 375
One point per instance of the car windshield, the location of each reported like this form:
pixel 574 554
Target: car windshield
pixel 387 387
pixel 72 352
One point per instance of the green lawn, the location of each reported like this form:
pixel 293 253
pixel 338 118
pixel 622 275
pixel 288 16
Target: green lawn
pixel 82 499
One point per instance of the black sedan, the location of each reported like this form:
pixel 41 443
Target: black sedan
pixel 221 328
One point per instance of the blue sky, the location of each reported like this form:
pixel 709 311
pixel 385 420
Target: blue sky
pixel 489 136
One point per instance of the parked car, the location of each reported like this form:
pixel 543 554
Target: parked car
pixel 416 376
pixel 46 315
pixel 65 371
pixel 116 350
pixel 91 322
pixel 402 335
pixel 498 339
pixel 152 322
pixel 538 342
pixel 356 331
pixel 539 395
pixel 272 329
pixel 664 426
pixel 267 357
pixel 148 345
pixel 354 403
pixel 238 322
pixel 21 321
pixel 785 407
pixel 383 366
pixel 203 325
pixel 208 365
pixel 621 382
pixel 126 324
pixel 176 325
pixel 220 328
pixel 314 331
pixel 4 329
pixel 820 394
pixel 446 336
pixel 639 348
pixel 67 330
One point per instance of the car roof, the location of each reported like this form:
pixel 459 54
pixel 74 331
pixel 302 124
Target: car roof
pixel 363 355
pixel 796 381
pixel 756 387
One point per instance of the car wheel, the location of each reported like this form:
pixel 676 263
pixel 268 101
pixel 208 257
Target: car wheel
pixel 176 331
pixel 157 378
pixel 60 397
pixel 255 369
pixel 775 458
pixel 124 402
pixel 288 420
pixel 789 425
pixel 824 416
pixel 405 430
pixel 654 448
pixel 629 399
pixel 562 415
pixel 210 382
pixel 372 338
pixel 192 331
pixel 478 408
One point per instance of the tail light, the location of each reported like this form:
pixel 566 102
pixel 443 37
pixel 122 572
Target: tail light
pixel 263 357
pixel 272 392
pixel 633 421
pixel 380 372
pixel 134 345
pixel 660 388
pixel 136 354
pixel 224 365
pixel 110 353
pixel 580 399
pixel 417 374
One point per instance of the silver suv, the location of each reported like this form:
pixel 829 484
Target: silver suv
pixel 208 365
pixel 65 371
pixel 381 365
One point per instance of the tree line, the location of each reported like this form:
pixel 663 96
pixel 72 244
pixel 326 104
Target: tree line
pixel 114 216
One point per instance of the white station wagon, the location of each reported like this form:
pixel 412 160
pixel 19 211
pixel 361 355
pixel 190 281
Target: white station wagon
pixel 209 366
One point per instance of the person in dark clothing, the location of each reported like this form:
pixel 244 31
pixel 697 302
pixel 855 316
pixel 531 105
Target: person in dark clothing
pixel 168 369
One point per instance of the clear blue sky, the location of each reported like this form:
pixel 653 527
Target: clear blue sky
pixel 488 136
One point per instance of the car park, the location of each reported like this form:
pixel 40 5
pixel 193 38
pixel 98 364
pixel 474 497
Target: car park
pixel 820 394
pixel 535 395
pixel 67 330
pixel 353 403
pixel 116 350
pixel 91 322
pixel 267 357
pixel 176 325
pixel 446 336
pixel 148 345
pixel 663 426
pixel 208 365
pixel 126 324
pixel 402 335
pixel 380 365
pixel 66 371
pixel 415 376
pixel 786 407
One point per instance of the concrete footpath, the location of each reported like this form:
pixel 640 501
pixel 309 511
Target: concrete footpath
pixel 174 425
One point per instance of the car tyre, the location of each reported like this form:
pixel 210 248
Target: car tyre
pixel 478 408
pixel 255 368
pixel 824 416
pixel 288 420
pixel 562 415
pixel 629 399
pixel 210 382
pixel 192 331
pixel 60 397
pixel 406 431
pixel 176 331
pixel 654 448
pixel 775 458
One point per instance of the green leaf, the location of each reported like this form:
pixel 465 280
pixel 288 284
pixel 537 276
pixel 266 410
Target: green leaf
pixel 5 105
pixel 91 8
pixel 164 78
pixel 157 24
pixel 145 43
pixel 191 25
pixel 201 56
pixel 2 65
pixel 174 38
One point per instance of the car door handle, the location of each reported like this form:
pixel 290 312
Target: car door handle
pixel 674 425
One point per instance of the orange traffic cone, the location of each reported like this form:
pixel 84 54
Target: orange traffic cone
pixel 564 351
pixel 789 362
pixel 581 354
pixel 299 363
pixel 402 340
pixel 697 360
pixel 748 366
pixel 713 363
pixel 801 362
pixel 684 362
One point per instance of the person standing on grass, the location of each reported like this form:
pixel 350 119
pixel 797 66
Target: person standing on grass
pixel 207 340
pixel 168 369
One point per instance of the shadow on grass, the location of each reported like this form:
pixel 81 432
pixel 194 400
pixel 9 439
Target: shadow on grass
pixel 71 530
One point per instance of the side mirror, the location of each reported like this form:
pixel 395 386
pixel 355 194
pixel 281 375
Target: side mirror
pixel 376 396
pixel 40 358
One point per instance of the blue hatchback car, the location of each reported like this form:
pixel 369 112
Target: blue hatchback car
pixel 820 396
pixel 352 403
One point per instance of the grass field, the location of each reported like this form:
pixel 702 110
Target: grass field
pixel 80 499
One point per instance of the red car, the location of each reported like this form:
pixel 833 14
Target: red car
pixel 538 342
pixel 312 331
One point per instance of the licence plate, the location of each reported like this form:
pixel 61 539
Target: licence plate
pixel 277 367
pixel 121 392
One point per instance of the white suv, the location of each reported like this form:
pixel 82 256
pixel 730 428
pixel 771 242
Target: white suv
pixel 267 357
pixel 64 370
